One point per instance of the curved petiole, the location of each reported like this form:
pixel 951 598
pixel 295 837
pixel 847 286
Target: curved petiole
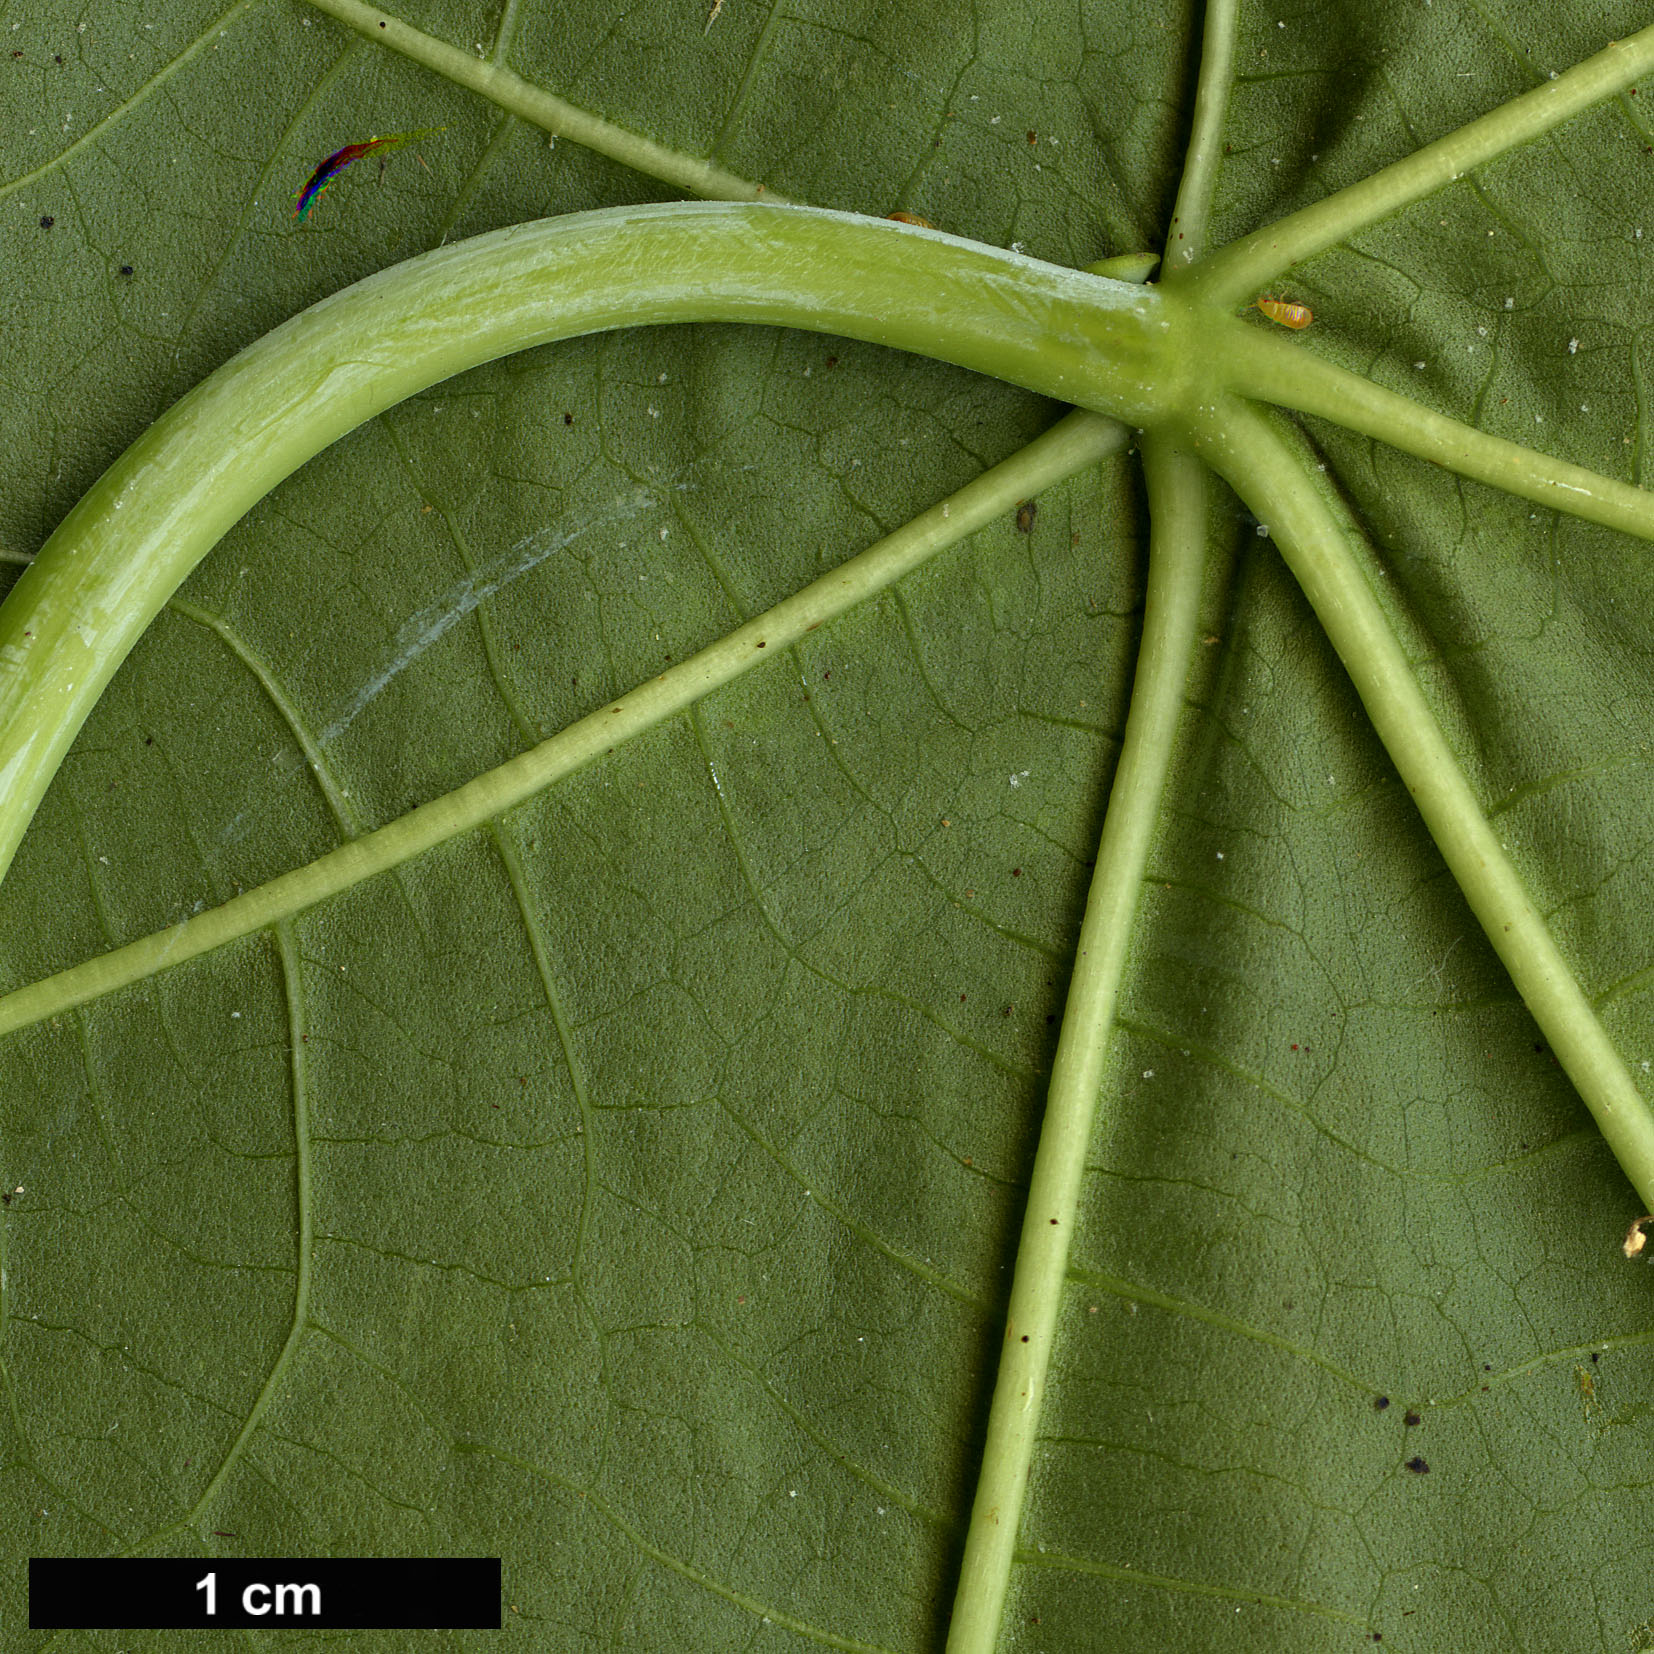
pixel 125 547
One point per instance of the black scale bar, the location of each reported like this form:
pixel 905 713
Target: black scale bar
pixel 295 1593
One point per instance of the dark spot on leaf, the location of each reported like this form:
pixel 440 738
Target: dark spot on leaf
pixel 568 419
pixel 1596 1355
pixel 1380 1403
pixel 1053 1223
pixel 57 57
pixel 47 221
pixel 832 361
pixel 126 269
pixel 17 54
pixel 1033 137
pixel 149 740
pixel 1016 872
pixel 1025 1338
pixel 1410 1419
pixel 1418 1467
pixel 1027 510
pixel 761 643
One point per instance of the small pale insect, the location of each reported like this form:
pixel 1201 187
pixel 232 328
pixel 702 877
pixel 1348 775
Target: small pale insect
pixel 1287 314
pixel 1586 1380
pixel 911 218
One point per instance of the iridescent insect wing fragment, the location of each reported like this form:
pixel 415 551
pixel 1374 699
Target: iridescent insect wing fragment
pixel 326 171
pixel 330 168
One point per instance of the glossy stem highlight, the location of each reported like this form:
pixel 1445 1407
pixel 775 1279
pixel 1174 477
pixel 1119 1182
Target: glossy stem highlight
pixel 139 530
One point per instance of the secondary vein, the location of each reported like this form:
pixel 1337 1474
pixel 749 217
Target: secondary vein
pixel 1074 442
pixel 509 91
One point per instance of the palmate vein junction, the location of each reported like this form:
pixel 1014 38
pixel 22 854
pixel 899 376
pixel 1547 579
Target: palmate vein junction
pixel 1173 362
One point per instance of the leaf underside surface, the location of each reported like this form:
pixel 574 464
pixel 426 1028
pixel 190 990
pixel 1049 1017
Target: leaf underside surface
pixel 630 1188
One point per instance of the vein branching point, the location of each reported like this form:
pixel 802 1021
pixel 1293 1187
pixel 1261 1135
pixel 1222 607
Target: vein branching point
pixel 1173 362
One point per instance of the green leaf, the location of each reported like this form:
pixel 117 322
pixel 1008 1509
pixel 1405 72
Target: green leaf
pixel 631 1187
